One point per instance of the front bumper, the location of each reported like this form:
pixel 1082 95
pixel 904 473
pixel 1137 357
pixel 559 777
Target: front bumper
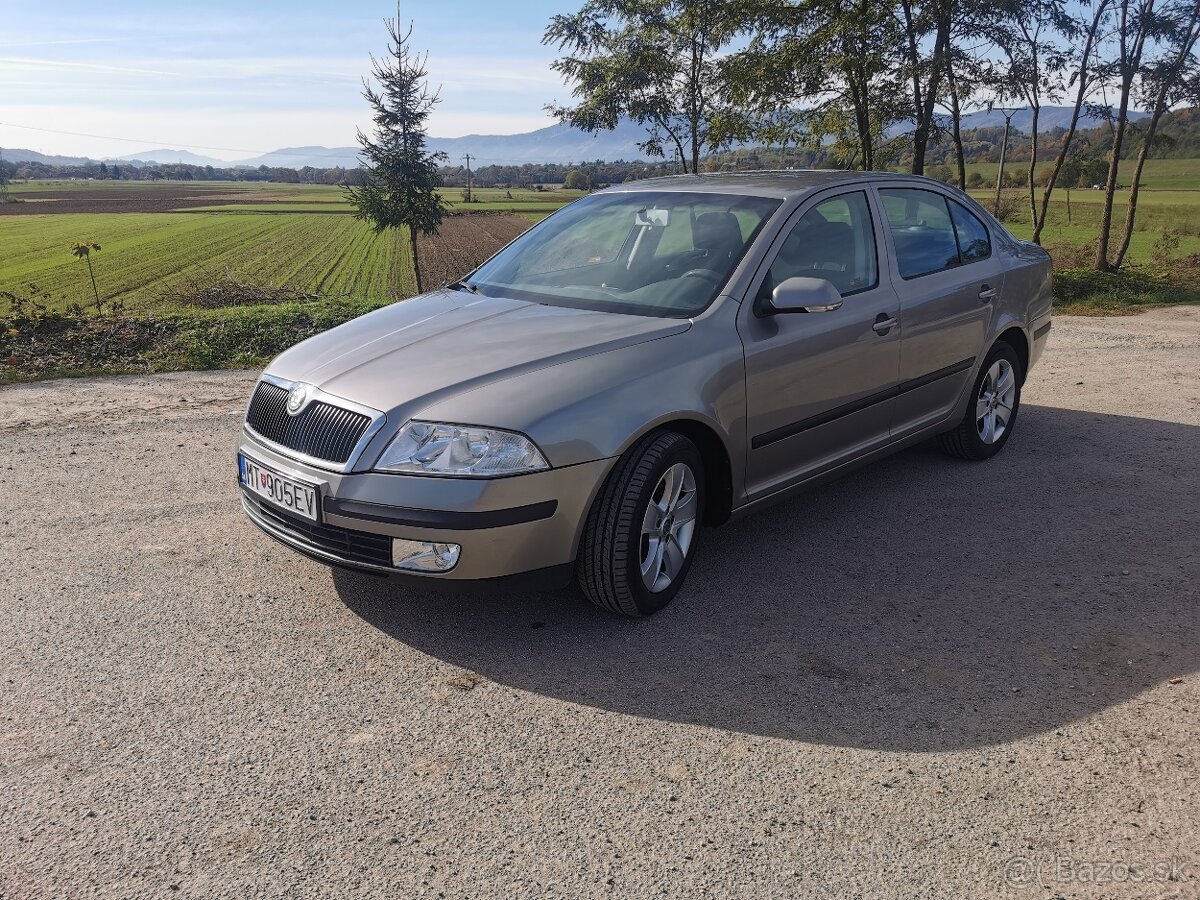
pixel 505 526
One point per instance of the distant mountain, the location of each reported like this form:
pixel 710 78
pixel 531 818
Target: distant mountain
pixel 553 144
pixel 16 154
pixel 165 157
pixel 1049 118
pixel 138 160
pixel 562 144
pixel 299 157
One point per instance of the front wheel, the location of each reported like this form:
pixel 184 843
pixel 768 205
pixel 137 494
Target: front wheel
pixel 640 533
pixel 992 410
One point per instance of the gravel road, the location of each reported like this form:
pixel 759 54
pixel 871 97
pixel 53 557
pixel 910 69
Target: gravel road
pixel 932 679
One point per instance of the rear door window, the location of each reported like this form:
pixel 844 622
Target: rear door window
pixel 922 231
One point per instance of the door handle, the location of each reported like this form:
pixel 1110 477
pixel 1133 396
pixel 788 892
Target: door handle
pixel 883 323
pixel 987 293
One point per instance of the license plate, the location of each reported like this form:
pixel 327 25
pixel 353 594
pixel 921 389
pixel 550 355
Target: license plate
pixel 294 496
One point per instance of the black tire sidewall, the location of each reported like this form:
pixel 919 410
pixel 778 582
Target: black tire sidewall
pixel 647 601
pixel 980 450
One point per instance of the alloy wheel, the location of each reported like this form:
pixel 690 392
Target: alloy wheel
pixel 994 405
pixel 668 527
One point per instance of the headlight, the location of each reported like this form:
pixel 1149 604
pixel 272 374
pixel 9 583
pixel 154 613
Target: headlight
pixel 430 448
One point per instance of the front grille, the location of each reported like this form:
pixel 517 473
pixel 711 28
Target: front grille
pixel 344 543
pixel 321 430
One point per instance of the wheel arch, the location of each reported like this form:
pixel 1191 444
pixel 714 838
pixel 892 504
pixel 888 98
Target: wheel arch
pixel 1016 338
pixel 715 453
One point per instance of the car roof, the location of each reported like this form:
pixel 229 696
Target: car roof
pixel 781 184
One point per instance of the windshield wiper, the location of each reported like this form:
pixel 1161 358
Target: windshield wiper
pixel 465 286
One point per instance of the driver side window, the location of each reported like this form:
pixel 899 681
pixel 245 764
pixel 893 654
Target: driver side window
pixel 834 240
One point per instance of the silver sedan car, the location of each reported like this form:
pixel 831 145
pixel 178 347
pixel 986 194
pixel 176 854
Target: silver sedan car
pixel 655 357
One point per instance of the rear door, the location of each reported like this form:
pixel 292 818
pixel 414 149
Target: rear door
pixel 820 386
pixel 948 281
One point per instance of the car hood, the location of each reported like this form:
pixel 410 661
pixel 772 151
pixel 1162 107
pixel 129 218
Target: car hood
pixel 417 351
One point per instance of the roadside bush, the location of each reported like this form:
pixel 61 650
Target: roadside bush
pixel 1088 292
pixel 1011 206
pixel 48 345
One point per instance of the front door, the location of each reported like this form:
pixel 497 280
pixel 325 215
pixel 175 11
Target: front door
pixel 820 386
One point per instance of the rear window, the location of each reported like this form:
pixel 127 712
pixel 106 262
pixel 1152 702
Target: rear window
pixel 974 243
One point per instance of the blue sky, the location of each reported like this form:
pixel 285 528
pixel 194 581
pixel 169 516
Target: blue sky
pixel 256 75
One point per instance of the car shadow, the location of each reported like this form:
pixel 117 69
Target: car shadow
pixel 921 603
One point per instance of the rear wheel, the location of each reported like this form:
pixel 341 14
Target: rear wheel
pixel 640 533
pixel 992 411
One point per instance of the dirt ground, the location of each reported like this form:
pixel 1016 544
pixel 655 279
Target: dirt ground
pixel 162 197
pixel 931 679
pixel 463 243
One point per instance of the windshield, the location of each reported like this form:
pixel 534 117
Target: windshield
pixel 653 253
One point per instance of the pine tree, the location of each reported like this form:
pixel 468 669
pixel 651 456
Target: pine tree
pixel 400 175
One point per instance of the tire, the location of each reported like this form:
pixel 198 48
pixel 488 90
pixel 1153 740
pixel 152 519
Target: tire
pixel 615 547
pixel 977 437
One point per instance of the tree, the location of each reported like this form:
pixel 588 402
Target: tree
pixel 575 181
pixel 919 21
pixel 4 176
pixel 955 86
pixel 1166 83
pixel 1035 63
pixel 652 61
pixel 400 176
pixel 83 250
pixel 1135 25
pixel 1088 26
pixel 818 70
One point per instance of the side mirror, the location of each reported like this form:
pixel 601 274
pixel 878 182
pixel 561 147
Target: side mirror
pixel 801 294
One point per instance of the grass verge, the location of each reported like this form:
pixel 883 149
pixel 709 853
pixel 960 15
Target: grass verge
pixel 57 345
pixel 40 344
pixel 1086 292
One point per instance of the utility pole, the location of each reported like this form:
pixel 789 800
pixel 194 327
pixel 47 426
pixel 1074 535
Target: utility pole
pixel 1008 114
pixel 467 157
pixel 3 179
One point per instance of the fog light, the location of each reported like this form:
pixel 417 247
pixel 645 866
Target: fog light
pixel 424 556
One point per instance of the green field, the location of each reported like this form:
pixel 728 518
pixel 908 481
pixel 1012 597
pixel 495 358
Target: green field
pixel 272 192
pixel 168 248
pixel 294 237
pixel 145 253
pixel 1159 174
pixel 158 236
pixel 1159 212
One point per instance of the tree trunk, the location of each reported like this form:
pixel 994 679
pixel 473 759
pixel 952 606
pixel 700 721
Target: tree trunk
pixel 1033 149
pixel 1000 171
pixel 956 128
pixel 1039 221
pixel 1110 186
pixel 412 241
pixel 1131 209
pixel 1131 62
pixel 679 150
pixel 1160 106
pixel 95 290
pixel 862 123
pixel 925 102
pixel 914 65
